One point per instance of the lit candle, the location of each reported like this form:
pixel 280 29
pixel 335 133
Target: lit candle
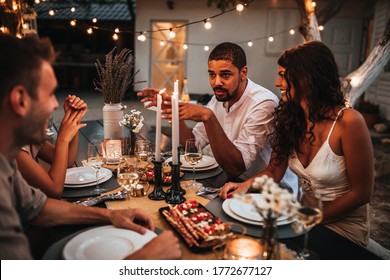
pixel 158 127
pixel 175 122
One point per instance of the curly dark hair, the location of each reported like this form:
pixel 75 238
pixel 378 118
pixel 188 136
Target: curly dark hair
pixel 229 51
pixel 312 70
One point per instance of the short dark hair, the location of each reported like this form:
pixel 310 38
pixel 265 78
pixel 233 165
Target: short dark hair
pixel 21 61
pixel 229 51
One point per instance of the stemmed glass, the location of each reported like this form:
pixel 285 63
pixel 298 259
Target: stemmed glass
pixel 96 159
pixel 127 180
pixel 193 155
pixel 309 214
pixel 143 152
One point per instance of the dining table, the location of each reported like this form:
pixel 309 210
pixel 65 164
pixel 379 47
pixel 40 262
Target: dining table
pixel 324 242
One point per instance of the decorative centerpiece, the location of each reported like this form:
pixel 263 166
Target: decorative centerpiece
pixel 134 122
pixel 273 204
pixel 115 77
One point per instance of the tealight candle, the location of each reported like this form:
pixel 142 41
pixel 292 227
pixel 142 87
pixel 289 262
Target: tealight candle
pixel 242 249
pixel 113 151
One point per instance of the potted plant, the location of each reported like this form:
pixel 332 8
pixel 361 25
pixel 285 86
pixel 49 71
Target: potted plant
pixel 369 111
pixel 114 78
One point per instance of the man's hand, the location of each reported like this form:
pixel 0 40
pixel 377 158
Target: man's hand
pixel 164 247
pixel 150 95
pixel 134 219
pixel 187 111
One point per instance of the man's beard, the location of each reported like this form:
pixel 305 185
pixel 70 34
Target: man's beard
pixel 227 97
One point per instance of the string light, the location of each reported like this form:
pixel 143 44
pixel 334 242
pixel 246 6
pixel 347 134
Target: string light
pixel 141 37
pixel 313 4
pixel 321 28
pixel 52 12
pixel 73 9
pixel 116 30
pixel 115 37
pixel 162 43
pixel 185 46
pixel 73 22
pixel 37 1
pixel 172 34
pixel 250 44
pixel 207 24
pixel 240 7
pixel 90 30
pixel 206 48
pixel 270 38
pixel 292 31
pixel 94 20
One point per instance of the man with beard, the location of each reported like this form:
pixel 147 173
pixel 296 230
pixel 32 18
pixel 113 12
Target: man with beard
pixel 27 99
pixel 236 122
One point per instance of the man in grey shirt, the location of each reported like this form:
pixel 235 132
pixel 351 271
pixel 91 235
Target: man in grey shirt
pixel 27 85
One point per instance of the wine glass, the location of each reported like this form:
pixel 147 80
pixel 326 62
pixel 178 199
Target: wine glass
pixel 193 155
pixel 96 159
pixel 143 152
pixel 309 214
pixel 127 179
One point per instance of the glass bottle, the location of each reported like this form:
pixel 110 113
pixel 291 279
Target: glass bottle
pixel 185 95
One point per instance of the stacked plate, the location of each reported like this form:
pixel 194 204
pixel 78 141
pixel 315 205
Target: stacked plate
pixel 207 163
pixel 80 177
pixel 247 213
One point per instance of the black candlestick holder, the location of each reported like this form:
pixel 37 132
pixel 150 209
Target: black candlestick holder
pixel 175 195
pixel 158 192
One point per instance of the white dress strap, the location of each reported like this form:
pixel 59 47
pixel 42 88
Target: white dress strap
pixel 334 123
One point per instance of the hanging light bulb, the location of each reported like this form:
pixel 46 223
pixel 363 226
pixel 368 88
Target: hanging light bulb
pixel 172 34
pixel 116 30
pixel 141 37
pixel 94 20
pixel 73 9
pixel 89 31
pixel 292 31
pixel 73 22
pixel 250 44
pixel 270 38
pixel 185 46
pixel 162 43
pixel 240 7
pixel 207 24
pixel 115 37
pixel 206 48
pixel 321 27
pixel 52 12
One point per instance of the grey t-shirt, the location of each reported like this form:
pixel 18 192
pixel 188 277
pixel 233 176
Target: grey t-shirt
pixel 20 203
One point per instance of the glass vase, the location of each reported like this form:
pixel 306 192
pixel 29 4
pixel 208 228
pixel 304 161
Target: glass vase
pixel 269 243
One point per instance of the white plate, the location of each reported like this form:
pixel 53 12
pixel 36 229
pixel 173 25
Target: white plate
pixel 226 208
pixel 105 243
pixel 80 175
pixel 247 210
pixel 104 175
pixel 206 164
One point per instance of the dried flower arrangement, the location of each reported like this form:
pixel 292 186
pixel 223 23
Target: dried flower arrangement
pixel 115 77
pixel 274 201
pixel 134 121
